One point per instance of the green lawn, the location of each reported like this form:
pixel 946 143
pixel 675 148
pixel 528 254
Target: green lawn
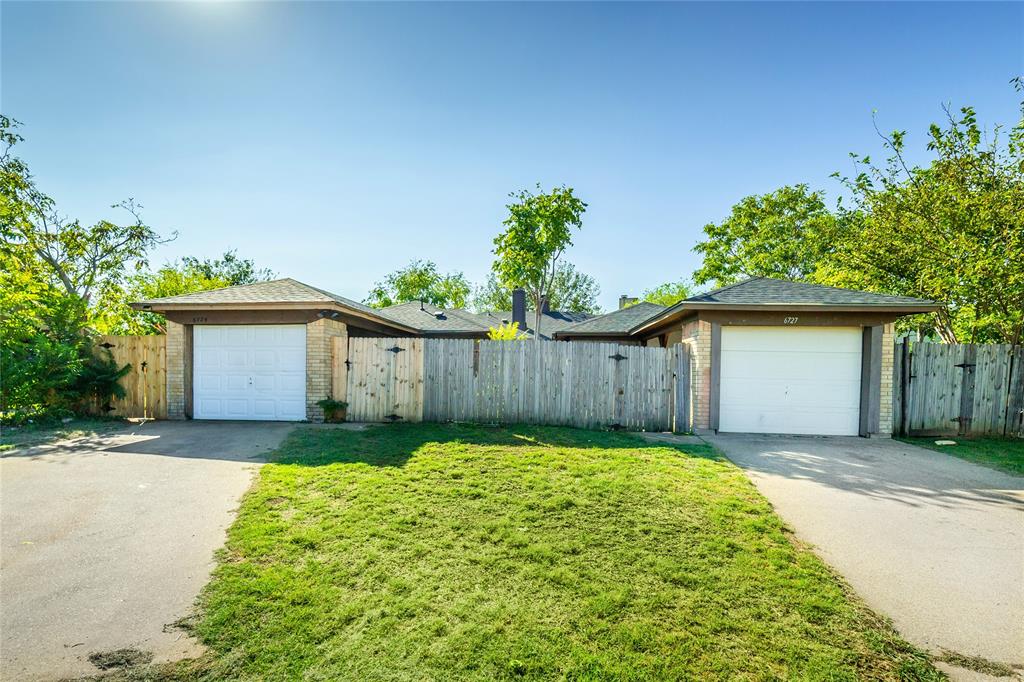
pixel 996 453
pixel 36 434
pixel 426 552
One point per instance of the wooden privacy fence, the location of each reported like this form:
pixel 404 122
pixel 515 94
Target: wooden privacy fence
pixel 146 383
pixel 384 379
pixel 547 382
pixel 953 389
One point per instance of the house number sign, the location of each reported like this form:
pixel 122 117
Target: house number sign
pixel 790 320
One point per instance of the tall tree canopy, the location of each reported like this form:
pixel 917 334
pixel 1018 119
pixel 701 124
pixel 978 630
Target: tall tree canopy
pixel 420 281
pixel 537 232
pixel 53 270
pixel 668 294
pixel 951 231
pixel 571 290
pixel 114 315
pixel 228 268
pixel 785 233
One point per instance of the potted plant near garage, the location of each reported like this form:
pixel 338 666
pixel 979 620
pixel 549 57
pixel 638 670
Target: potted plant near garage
pixel 334 410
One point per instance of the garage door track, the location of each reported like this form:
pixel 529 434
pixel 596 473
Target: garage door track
pixel 106 541
pixel 933 542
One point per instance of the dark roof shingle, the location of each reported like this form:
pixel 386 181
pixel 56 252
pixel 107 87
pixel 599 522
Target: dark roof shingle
pixel 285 290
pixel 614 323
pixel 428 318
pixel 764 290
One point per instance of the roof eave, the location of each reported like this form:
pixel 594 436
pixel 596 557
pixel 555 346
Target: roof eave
pixel 681 309
pixel 569 332
pixel 160 307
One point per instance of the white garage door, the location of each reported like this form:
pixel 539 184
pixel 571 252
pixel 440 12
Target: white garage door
pixel 790 380
pixel 249 372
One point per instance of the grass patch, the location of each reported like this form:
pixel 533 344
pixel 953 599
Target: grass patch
pixel 1004 454
pixel 120 658
pixel 27 435
pixel 417 552
pixel 977 664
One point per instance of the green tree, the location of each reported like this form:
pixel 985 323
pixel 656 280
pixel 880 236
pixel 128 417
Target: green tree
pixel 668 294
pixel 951 231
pixel 420 281
pixel 537 232
pixel 81 259
pixel 228 268
pixel 571 290
pixel 786 233
pixel 114 314
pixel 53 267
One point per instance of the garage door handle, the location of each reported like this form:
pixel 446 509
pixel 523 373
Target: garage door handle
pixel 250 381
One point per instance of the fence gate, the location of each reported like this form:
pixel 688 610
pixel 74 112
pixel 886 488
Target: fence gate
pixel 954 389
pixel 385 379
pixel 146 384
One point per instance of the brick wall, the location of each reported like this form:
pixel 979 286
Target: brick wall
pixel 175 370
pixel 697 336
pixel 885 404
pixel 318 363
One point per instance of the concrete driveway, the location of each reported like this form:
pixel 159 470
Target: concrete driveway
pixel 106 542
pixel 933 542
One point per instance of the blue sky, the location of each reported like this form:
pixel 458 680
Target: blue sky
pixel 335 142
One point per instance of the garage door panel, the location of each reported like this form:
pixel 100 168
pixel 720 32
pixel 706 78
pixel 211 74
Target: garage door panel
pixel 207 358
pixel 790 395
pixel 818 422
pixel 292 358
pixel 790 380
pixel 265 358
pixel 240 335
pixel 797 339
pixel 738 364
pixel 291 410
pixel 263 383
pixel 291 336
pixel 250 372
pixel 235 408
pixel 293 383
pixel 265 409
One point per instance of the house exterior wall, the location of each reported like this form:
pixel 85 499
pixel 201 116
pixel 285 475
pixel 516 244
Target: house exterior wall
pixel 176 368
pixel 318 363
pixel 885 409
pixel 696 335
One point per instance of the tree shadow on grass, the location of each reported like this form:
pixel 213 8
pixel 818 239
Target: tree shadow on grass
pixel 392 445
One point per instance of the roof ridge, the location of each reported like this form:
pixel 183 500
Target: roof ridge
pixel 748 280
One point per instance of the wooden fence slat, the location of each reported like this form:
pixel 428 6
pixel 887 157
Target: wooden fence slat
pixel 578 384
pixel 957 389
pixel 146 384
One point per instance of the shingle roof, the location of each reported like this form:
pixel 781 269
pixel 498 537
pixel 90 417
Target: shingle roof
pixel 431 319
pixel 428 318
pixel 616 322
pixel 551 322
pixel 764 290
pixel 275 291
pixel 758 292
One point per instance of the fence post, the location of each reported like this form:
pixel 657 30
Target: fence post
pixel 339 368
pixel 1013 423
pixel 904 387
pixel 967 389
pixel 681 401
